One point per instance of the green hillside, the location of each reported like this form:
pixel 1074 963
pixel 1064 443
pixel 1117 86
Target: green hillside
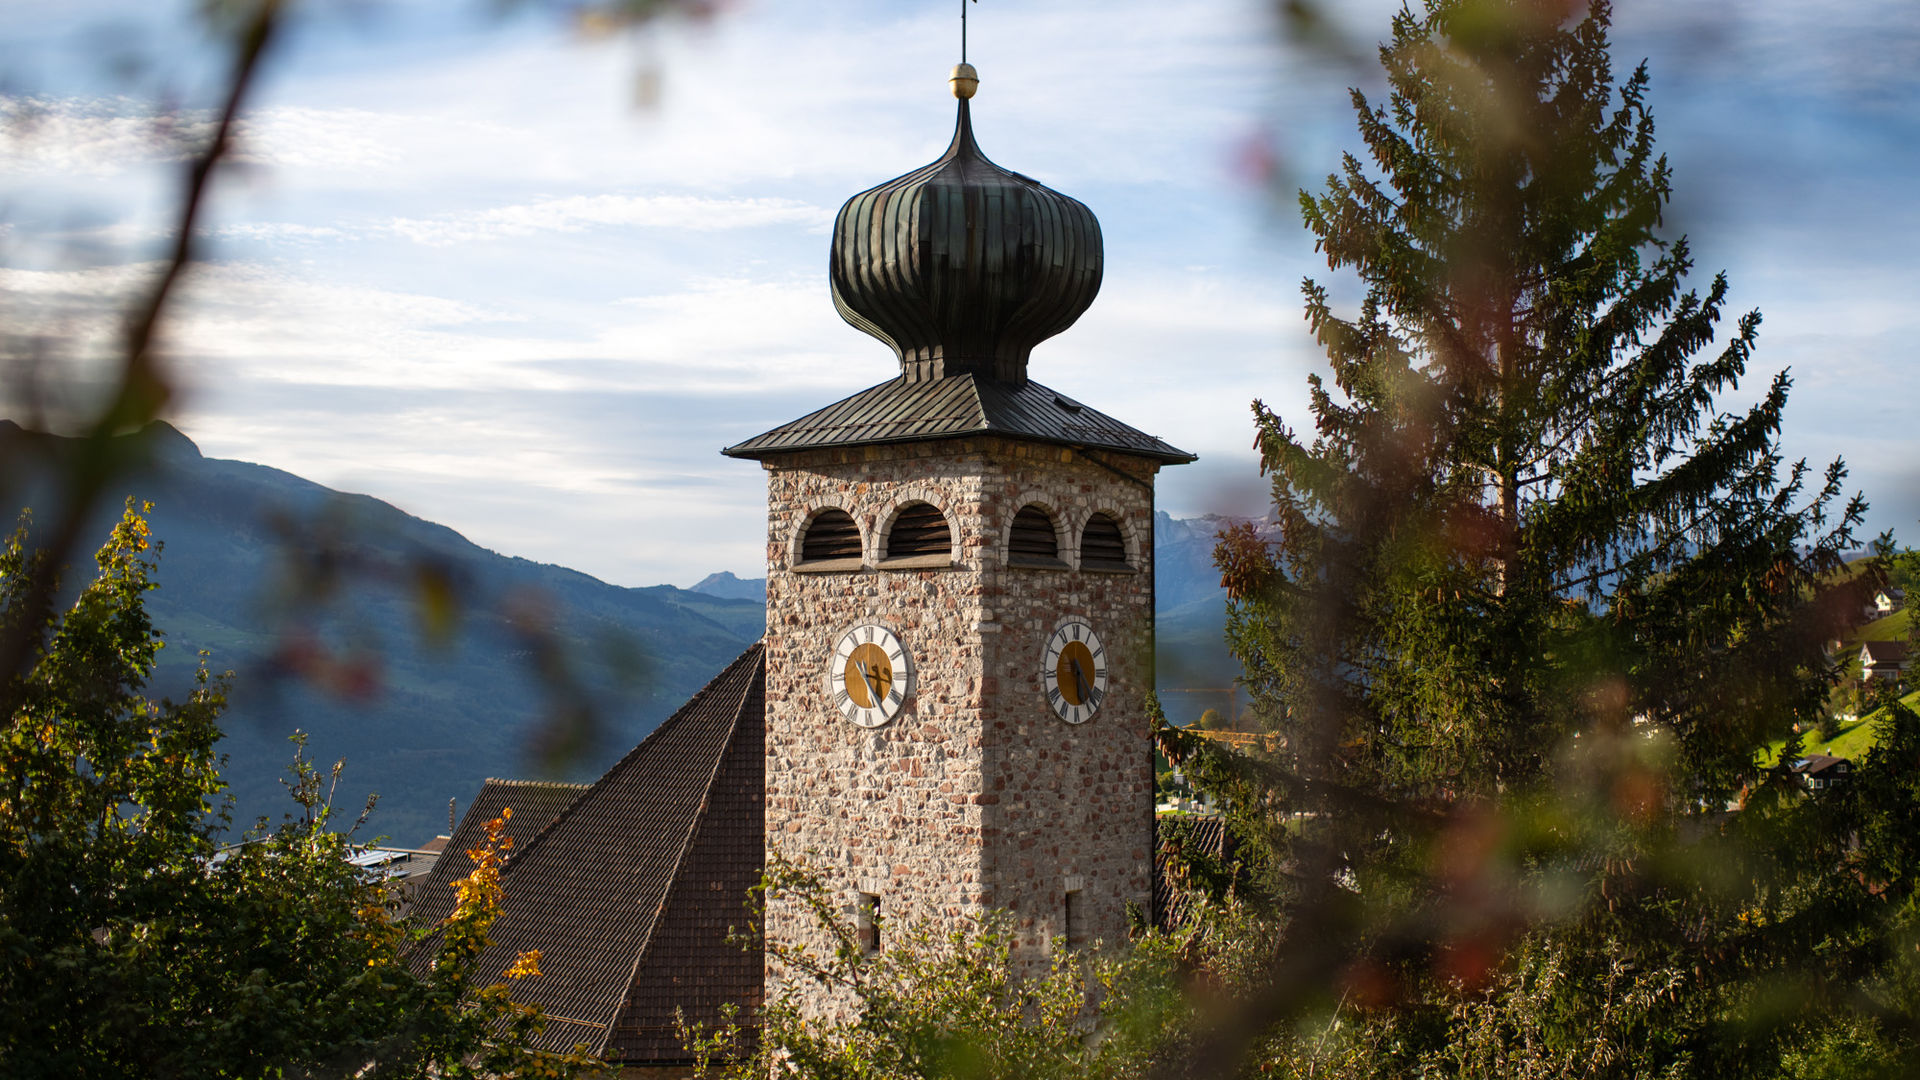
pixel 1853 740
pixel 1894 627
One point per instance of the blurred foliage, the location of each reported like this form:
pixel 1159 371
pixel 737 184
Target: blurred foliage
pixel 952 1001
pixel 131 945
pixel 1208 859
pixel 1903 565
pixel 1538 605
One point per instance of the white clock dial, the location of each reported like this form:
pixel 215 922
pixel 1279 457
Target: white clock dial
pixel 1073 671
pixel 869 675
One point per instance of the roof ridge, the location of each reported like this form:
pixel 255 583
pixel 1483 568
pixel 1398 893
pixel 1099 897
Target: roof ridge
pixel 506 782
pixel 754 651
pixel 686 844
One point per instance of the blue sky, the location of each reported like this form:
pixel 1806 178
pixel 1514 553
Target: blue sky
pixel 462 268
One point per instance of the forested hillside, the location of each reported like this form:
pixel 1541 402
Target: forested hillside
pixel 426 662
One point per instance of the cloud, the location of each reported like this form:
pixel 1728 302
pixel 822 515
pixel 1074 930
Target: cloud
pixel 579 212
pixel 269 323
pixel 93 136
pixel 436 289
pixel 642 499
pixel 600 422
pixel 72 318
pixel 329 139
pixel 277 231
pixel 110 135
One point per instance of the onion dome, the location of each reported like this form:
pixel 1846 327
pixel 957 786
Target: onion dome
pixel 962 266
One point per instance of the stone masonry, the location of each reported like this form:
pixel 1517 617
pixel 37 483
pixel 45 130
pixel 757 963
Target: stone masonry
pixel 976 796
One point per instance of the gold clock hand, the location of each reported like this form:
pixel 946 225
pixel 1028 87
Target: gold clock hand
pixel 873 684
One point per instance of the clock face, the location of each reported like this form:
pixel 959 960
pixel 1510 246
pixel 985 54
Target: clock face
pixel 870 675
pixel 1074 671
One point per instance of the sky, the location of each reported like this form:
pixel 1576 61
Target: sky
pixel 526 281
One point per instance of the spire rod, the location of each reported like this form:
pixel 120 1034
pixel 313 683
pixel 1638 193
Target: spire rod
pixel 964 79
pixel 963 30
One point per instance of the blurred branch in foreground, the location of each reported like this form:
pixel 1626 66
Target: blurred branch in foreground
pixel 96 387
pixel 142 385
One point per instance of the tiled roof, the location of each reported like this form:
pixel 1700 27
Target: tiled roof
pixel 629 894
pixel 905 411
pixel 690 966
pixel 1886 652
pixel 1815 764
pixel 1174 834
pixel 535 804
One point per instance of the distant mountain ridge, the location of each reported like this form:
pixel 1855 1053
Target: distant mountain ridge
pixel 422 722
pixel 418 719
pixel 725 584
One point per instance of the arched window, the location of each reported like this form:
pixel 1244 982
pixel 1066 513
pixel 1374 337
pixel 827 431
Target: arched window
pixel 920 529
pixel 1102 545
pixel 1033 541
pixel 831 535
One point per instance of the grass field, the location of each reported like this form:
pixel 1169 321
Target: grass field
pixel 1894 627
pixel 1853 740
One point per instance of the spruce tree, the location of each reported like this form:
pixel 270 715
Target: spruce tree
pixel 1540 596
pixel 1529 507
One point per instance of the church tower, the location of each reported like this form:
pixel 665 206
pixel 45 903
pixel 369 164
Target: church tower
pixel 960 582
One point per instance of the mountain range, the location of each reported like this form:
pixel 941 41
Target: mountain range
pixel 427 663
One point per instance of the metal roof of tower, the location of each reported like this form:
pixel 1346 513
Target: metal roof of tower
pixel 903 410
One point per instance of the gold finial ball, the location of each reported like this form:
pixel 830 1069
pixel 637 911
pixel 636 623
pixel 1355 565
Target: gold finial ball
pixel 964 80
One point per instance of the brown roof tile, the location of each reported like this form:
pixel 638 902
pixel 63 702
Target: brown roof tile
pixel 535 805
pixel 630 892
pixel 1174 835
pixel 1886 652
pixel 690 967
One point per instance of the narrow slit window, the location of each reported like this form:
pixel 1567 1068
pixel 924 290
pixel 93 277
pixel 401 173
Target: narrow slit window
pixel 1070 920
pixel 868 923
pixel 1102 546
pixel 831 535
pixel 1033 538
pixel 920 529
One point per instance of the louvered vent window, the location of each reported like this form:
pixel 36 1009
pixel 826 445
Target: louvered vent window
pixel 1033 538
pixel 919 530
pixel 833 535
pixel 1102 547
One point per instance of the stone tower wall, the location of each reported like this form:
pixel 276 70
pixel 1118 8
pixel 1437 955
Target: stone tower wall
pixel 976 796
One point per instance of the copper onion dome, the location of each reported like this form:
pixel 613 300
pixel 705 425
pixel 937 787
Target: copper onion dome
pixel 962 266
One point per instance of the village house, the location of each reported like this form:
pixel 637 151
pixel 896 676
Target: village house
pixel 1883 661
pixel 1885 602
pixel 1818 772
